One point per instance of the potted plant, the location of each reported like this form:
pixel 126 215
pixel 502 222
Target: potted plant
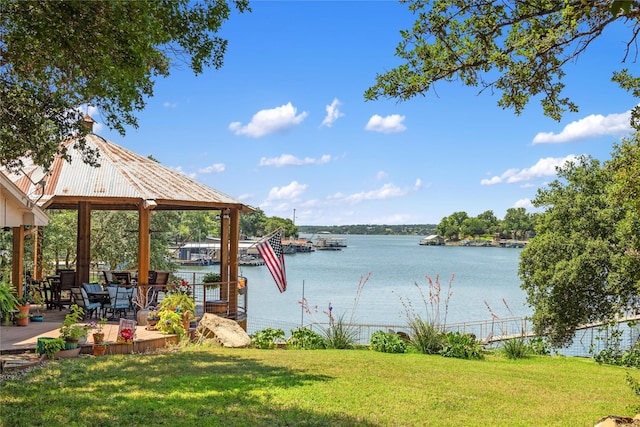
pixel 22 319
pixel 152 319
pixel 70 330
pixel 50 346
pixel 99 349
pixel 24 304
pixel 8 301
pixel 211 280
pixel 98 330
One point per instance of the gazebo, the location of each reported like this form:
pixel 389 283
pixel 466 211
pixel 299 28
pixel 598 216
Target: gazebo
pixel 124 180
pixel 17 210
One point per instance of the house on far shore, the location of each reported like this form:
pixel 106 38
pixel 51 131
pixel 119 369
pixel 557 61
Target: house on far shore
pixel 432 240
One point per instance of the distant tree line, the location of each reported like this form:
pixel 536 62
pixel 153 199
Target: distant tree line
pixel 372 229
pixel 516 224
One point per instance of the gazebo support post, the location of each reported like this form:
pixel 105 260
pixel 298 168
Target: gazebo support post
pixel 144 249
pixel 224 254
pixel 17 267
pixel 233 260
pixel 83 255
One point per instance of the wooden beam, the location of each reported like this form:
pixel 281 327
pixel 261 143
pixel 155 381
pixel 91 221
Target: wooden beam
pixel 17 259
pixel 224 254
pixel 234 219
pixel 37 253
pixel 83 246
pixel 144 250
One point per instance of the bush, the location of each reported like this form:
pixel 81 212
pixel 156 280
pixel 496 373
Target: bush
pixel 387 342
pixel 303 338
pixel 538 346
pixel 515 348
pixel 340 335
pixel 425 337
pixel 267 338
pixel 461 346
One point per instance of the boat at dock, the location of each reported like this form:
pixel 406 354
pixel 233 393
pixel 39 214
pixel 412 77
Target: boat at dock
pixel 329 243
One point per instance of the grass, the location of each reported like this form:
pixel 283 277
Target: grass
pixel 200 386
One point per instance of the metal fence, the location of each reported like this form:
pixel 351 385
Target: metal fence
pixel 588 340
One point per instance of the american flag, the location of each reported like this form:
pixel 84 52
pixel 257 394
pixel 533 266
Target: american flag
pixel 271 252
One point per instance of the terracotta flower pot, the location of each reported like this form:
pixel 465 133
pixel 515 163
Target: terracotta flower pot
pixel 98 338
pixel 22 321
pixel 99 349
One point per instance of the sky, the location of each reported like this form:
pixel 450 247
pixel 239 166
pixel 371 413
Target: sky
pixel 283 126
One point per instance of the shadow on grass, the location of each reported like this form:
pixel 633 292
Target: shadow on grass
pixel 186 388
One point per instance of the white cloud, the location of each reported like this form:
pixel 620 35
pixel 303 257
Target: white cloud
pixel 214 168
pixel 265 122
pixel 544 167
pixel 389 124
pixel 245 196
pixel 333 113
pixel 291 191
pixel 418 184
pixel 291 160
pixel 591 126
pixel 387 191
pixel 523 203
pixel 382 175
pixel 169 104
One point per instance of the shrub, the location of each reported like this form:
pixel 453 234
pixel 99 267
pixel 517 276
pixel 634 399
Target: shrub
pixel 515 348
pixel 461 346
pixel 387 342
pixel 538 346
pixel 170 323
pixel 267 338
pixel 303 338
pixel 340 334
pixel 425 337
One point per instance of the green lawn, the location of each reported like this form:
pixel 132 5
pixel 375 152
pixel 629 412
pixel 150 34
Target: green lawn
pixel 206 386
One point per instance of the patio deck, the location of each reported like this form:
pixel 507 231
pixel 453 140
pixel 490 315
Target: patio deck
pixel 23 339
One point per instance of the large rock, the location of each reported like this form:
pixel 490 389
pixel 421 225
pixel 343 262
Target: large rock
pixel 225 332
pixel 616 421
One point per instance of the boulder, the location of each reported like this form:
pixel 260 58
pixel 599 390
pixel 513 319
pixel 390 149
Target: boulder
pixel 617 421
pixel 225 332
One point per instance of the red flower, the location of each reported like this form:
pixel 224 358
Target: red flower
pixel 126 334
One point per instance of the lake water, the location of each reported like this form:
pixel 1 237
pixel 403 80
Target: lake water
pixel 395 263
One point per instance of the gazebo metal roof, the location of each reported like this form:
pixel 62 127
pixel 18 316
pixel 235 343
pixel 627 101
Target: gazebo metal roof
pixel 121 181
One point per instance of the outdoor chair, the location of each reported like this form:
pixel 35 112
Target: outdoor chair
pixel 108 277
pixel 81 298
pixel 120 300
pixel 61 288
pixel 121 277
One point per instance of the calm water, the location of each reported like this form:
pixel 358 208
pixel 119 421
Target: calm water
pixel 396 263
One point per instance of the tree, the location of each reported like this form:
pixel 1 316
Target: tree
pixel 57 56
pixel 517 48
pixel 450 226
pixel 516 222
pixel 578 268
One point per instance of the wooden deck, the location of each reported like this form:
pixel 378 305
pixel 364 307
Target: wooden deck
pixel 24 339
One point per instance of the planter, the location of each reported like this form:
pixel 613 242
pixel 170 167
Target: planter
pixel 24 309
pixel 98 338
pixel 37 318
pixel 70 344
pixel 99 349
pixel 22 321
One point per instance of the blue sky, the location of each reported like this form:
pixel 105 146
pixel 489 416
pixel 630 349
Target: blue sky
pixel 284 125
